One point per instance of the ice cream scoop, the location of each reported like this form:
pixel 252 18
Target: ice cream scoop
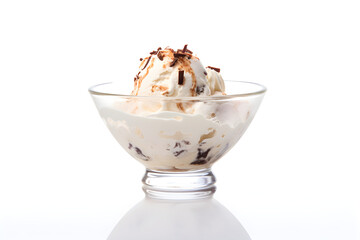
pixel 171 73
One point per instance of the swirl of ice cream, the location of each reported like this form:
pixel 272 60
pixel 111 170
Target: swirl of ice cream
pixel 178 73
pixel 215 81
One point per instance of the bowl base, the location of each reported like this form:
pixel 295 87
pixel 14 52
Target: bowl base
pixel 179 185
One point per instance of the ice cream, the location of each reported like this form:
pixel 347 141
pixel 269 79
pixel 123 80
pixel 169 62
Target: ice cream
pixel 171 121
pixel 170 73
pixel 178 73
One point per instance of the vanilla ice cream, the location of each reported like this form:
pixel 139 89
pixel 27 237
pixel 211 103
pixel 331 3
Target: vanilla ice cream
pixel 178 73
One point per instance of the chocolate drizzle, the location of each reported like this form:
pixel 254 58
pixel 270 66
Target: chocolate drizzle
pixel 181 77
pixel 214 68
pixel 146 63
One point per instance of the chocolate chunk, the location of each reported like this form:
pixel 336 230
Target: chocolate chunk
pixel 201 154
pixel 205 73
pixel 202 157
pixel 200 89
pixel 177 153
pixel 139 152
pixel 199 162
pixel 214 68
pixel 141 59
pixel 181 77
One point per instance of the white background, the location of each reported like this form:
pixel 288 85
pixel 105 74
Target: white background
pixel 294 174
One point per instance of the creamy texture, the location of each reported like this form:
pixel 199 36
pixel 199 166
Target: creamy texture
pixel 173 141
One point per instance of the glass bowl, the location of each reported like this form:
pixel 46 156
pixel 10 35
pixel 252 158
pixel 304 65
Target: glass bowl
pixel 178 139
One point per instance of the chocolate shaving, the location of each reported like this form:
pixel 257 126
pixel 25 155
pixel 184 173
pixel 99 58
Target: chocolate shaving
pixel 177 153
pixel 205 73
pixel 156 51
pixel 214 68
pixel 141 59
pixel 185 50
pixel 137 76
pixel 160 56
pixel 179 54
pixel 146 63
pixel 173 62
pixel 181 77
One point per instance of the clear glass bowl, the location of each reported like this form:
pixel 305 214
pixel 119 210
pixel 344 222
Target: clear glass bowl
pixel 178 139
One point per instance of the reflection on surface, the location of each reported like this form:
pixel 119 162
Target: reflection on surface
pixel 179 219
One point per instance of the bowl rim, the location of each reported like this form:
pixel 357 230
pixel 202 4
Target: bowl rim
pixel 262 89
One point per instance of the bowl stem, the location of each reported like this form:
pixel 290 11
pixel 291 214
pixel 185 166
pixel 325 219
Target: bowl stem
pixel 179 185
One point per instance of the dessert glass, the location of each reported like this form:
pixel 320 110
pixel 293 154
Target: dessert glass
pixel 178 139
